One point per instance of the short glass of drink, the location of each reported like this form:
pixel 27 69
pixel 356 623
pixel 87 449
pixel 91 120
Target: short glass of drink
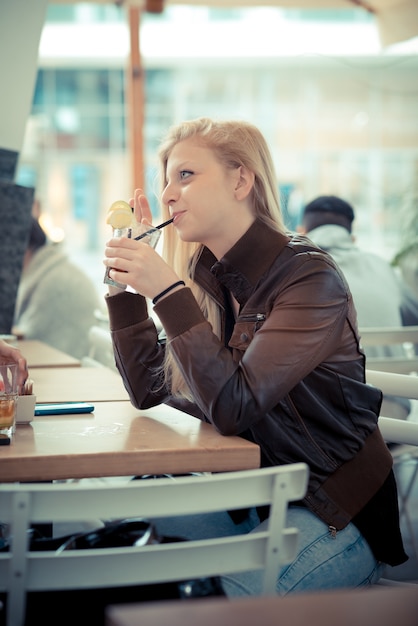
pixel 8 398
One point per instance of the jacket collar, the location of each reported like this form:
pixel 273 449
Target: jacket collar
pixel 243 265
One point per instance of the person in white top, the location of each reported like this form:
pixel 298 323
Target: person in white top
pixel 380 296
pixel 56 300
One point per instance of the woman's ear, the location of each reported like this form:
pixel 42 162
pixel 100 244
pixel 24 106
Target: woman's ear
pixel 244 182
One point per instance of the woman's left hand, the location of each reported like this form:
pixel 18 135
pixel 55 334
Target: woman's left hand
pixel 142 209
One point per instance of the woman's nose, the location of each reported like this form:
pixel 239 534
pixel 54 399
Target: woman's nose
pixel 169 194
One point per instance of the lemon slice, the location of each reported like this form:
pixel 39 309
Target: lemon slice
pixel 119 215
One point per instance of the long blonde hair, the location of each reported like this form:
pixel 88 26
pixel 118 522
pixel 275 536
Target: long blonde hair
pixel 234 143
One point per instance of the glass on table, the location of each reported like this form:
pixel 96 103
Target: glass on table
pixel 8 400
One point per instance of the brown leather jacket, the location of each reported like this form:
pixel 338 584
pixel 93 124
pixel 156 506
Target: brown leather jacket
pixel 288 374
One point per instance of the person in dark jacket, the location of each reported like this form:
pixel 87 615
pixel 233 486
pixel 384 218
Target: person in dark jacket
pixel 261 341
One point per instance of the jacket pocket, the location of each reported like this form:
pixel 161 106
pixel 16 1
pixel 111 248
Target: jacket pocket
pixel 244 330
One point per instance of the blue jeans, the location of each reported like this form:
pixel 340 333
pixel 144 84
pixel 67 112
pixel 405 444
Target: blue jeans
pixel 322 562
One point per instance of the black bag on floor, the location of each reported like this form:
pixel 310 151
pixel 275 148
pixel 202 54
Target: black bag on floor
pixel 87 607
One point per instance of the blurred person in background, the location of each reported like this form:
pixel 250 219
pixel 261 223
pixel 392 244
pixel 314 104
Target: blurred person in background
pixel 380 296
pixel 56 300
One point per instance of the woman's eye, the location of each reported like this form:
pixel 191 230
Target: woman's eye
pixel 185 174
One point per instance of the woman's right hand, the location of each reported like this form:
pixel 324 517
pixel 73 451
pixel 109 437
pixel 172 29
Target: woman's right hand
pixel 138 265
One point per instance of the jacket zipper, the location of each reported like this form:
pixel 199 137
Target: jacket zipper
pixel 257 318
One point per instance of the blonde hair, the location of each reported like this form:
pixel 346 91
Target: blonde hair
pixel 234 143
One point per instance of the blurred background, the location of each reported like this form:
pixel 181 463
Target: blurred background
pixel 338 109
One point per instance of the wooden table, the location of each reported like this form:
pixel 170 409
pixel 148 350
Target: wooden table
pixel 119 440
pixel 375 606
pixel 78 384
pixel 39 354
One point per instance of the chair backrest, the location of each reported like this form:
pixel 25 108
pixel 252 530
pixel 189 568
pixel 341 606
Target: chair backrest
pixel 393 364
pixel 392 383
pixel 405 336
pixel 101 348
pixel 24 504
pixel 389 336
pixel 397 431
pixel 401 385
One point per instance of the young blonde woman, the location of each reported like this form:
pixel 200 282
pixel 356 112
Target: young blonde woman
pixel 261 341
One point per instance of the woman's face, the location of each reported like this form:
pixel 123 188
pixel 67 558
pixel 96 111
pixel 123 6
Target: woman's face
pixel 205 198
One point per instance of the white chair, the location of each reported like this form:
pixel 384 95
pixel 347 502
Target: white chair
pixel 393 383
pixel 405 337
pixel 391 349
pixel 23 504
pixel 400 432
pixel 101 349
pixel 386 336
pixel 393 364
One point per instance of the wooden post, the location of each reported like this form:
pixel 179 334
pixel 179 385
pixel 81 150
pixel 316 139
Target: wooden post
pixel 154 6
pixel 136 101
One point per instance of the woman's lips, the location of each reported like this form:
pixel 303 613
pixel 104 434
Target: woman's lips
pixel 177 216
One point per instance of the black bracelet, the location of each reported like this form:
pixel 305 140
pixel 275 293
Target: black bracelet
pixel 163 293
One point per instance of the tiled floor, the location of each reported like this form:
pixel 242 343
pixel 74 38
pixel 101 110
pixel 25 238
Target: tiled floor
pixel 404 473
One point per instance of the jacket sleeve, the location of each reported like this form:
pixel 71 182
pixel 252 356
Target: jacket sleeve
pixel 139 353
pixel 237 387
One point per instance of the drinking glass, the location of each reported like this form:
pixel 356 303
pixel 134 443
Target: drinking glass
pixel 8 399
pixel 147 234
